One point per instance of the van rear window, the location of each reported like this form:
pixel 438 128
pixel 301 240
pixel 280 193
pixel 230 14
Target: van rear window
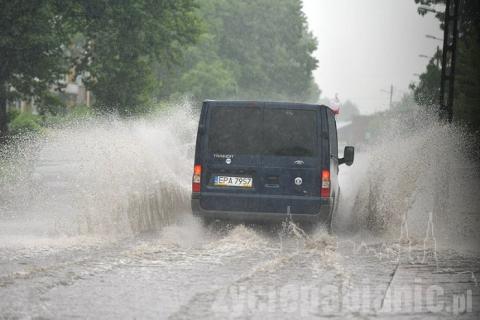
pixel 276 132
pixel 289 132
pixel 235 130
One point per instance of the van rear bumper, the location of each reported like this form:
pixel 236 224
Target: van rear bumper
pixel 323 215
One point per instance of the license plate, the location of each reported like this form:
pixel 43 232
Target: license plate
pixel 225 181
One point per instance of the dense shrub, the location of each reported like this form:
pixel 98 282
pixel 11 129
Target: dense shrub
pixel 25 123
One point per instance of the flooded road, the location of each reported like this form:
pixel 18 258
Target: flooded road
pixel 99 227
pixel 189 272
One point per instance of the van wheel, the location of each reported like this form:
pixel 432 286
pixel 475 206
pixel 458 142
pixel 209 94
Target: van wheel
pixel 329 224
pixel 206 222
pixel 334 213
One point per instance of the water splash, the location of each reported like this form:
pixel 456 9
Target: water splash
pixel 412 170
pixel 110 176
pixel 430 242
pixel 100 176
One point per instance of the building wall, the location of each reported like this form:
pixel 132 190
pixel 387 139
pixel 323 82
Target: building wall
pixel 74 94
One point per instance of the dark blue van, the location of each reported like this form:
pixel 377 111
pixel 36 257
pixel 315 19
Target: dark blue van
pixel 266 161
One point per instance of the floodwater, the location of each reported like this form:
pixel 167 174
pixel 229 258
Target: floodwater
pixel 95 223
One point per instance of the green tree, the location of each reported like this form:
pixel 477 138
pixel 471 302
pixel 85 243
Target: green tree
pixel 466 107
pixel 427 91
pixel 32 35
pixel 253 49
pixel 467 95
pixel 124 39
pixel 118 42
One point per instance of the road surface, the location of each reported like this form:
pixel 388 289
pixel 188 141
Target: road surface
pixel 187 272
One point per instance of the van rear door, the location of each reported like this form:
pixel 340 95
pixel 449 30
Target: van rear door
pixel 232 157
pixel 290 159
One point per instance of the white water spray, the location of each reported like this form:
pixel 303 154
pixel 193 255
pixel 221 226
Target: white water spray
pixel 102 176
pixel 410 184
pixel 120 177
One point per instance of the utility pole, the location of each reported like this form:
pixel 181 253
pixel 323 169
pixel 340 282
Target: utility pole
pixel 391 96
pixel 438 57
pixel 449 54
pixel 450 34
pixel 3 111
pixel 390 92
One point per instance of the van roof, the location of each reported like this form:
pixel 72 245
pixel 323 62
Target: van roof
pixel 242 103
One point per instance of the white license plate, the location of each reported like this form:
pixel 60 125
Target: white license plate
pixel 225 181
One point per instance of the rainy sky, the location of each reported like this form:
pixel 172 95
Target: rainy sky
pixel 365 46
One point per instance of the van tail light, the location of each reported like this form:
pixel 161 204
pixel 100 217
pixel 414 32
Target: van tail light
pixel 196 179
pixel 325 189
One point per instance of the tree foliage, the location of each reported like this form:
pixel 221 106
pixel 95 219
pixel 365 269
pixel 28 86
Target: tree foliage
pixel 427 91
pixel 132 50
pixel 32 35
pixel 119 42
pixel 467 93
pixel 467 96
pixel 253 49
pixel 124 39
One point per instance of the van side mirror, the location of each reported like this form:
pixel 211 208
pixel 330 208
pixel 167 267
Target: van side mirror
pixel 348 156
